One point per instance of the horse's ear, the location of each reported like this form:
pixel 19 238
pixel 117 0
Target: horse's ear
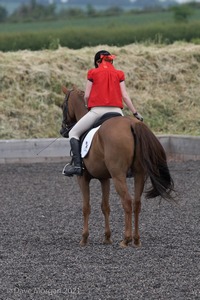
pixel 64 89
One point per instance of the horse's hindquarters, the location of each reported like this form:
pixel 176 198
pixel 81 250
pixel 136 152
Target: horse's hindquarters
pixel 112 149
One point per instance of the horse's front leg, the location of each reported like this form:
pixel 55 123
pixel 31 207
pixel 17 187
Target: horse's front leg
pixel 105 207
pixel 84 186
pixel 139 187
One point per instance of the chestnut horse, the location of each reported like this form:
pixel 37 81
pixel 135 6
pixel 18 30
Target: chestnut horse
pixel 122 143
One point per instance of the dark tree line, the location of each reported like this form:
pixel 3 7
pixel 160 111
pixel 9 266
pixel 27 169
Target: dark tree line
pixel 34 11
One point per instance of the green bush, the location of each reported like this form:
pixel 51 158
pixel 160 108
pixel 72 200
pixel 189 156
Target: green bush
pixel 182 12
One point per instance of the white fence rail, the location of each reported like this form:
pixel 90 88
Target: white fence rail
pixel 54 150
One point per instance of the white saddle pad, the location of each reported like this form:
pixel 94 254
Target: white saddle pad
pixel 87 142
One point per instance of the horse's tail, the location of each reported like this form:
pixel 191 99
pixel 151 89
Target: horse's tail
pixel 152 158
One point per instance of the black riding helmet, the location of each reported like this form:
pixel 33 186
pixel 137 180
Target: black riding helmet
pixel 98 56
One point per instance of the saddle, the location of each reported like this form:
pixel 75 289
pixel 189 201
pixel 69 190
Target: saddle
pixel 99 122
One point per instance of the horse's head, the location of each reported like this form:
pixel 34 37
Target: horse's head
pixel 73 109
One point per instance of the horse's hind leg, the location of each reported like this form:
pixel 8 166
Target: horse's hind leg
pixel 105 186
pixel 84 186
pixel 122 190
pixel 139 187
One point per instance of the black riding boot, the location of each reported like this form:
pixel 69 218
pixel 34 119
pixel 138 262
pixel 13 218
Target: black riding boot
pixel 76 168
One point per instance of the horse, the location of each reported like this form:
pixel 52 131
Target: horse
pixel 120 144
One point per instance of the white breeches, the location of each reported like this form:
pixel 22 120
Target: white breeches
pixel 89 119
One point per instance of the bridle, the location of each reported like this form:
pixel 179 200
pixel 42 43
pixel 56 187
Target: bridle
pixel 65 128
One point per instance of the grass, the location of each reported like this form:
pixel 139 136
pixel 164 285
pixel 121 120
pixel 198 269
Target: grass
pixel 88 22
pixel 163 82
pixel 124 19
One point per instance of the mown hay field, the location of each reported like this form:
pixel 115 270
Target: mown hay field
pixel 163 82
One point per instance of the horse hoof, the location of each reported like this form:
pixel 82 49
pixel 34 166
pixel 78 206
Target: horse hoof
pixel 107 242
pixel 123 244
pixel 137 244
pixel 83 243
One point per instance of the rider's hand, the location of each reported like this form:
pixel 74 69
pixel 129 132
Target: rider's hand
pixel 138 116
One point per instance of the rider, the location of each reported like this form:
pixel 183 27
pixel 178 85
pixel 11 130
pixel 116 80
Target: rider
pixel 105 90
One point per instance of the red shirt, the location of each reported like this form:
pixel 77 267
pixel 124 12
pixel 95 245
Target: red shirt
pixel 106 86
